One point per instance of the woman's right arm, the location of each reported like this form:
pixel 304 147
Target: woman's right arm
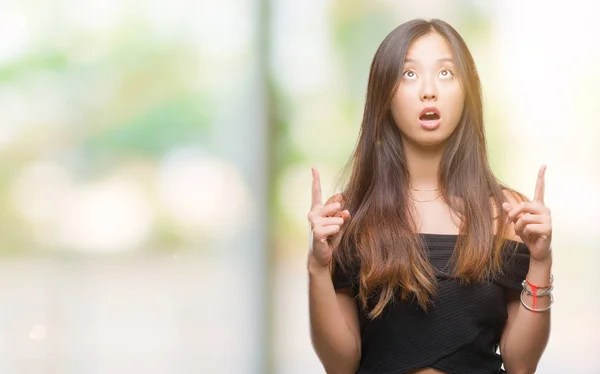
pixel 334 324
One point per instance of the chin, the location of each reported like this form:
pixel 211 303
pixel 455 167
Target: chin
pixel 432 140
pixel 419 137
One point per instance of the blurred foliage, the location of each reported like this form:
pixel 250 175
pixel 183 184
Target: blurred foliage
pixel 156 129
pixel 124 99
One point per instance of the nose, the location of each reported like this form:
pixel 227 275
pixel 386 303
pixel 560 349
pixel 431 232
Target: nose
pixel 428 90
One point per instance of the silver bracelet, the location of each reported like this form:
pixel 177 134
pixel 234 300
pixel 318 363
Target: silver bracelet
pixel 537 310
pixel 529 291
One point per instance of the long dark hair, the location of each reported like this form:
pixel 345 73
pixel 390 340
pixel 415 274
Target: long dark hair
pixel 381 235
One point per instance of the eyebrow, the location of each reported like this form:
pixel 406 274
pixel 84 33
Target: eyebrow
pixel 443 59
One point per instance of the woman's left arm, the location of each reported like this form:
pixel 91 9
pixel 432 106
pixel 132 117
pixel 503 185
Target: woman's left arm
pixel 526 333
pixel 527 328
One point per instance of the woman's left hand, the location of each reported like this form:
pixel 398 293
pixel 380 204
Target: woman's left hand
pixel 533 223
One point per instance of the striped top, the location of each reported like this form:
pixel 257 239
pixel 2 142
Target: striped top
pixel 460 333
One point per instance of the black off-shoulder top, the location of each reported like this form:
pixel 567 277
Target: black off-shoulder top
pixel 460 333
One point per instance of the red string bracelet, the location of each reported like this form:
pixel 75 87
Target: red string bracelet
pixel 535 288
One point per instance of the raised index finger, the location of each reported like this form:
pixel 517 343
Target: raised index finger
pixel 540 186
pixel 317 199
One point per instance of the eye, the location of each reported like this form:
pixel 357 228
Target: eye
pixel 409 74
pixel 445 73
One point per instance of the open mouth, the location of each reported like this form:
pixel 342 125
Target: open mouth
pixel 430 116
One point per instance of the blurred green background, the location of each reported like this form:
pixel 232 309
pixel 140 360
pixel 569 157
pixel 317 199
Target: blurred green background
pixel 155 169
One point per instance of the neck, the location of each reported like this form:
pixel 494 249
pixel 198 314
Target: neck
pixel 423 165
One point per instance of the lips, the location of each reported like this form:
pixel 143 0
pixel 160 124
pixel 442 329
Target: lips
pixel 430 118
pixel 429 114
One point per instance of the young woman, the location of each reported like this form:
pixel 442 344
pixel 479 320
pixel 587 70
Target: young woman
pixel 426 263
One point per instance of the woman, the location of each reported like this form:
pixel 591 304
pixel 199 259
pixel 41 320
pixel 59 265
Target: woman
pixel 426 263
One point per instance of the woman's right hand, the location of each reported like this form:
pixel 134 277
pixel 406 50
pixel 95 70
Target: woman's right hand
pixel 327 223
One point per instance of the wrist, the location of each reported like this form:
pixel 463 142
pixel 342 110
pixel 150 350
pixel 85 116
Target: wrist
pixel 314 267
pixel 546 260
pixel 540 271
pixel 541 263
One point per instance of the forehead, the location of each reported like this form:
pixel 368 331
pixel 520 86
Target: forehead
pixel 429 48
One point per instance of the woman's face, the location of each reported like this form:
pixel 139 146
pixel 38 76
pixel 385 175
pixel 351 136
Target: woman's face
pixel 429 100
